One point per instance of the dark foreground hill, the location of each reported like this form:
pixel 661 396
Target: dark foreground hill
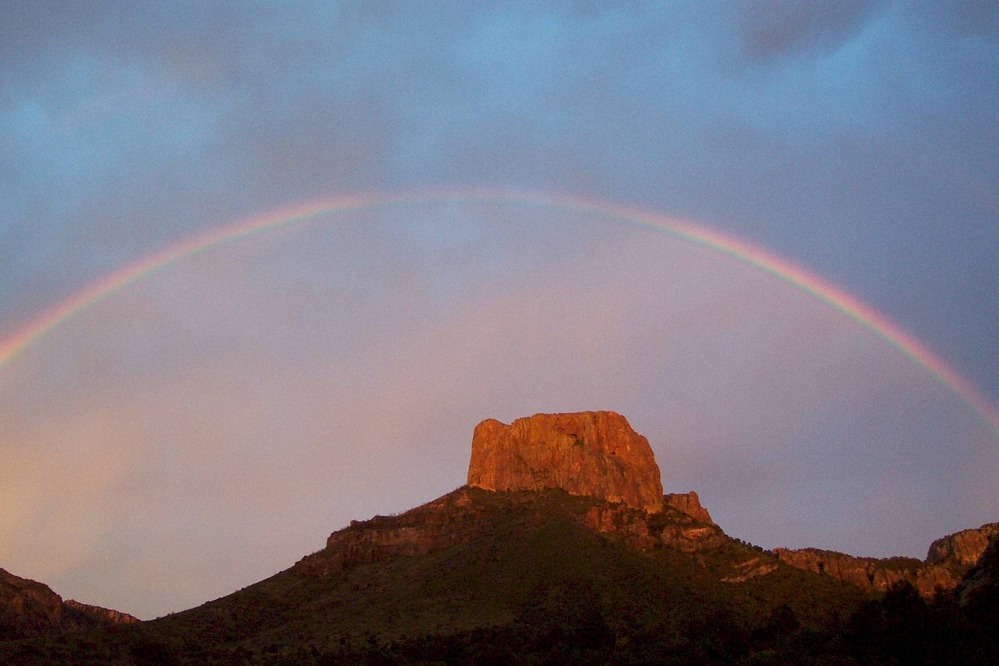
pixel 546 577
pixel 539 570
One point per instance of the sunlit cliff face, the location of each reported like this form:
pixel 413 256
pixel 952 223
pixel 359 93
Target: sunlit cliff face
pixel 590 453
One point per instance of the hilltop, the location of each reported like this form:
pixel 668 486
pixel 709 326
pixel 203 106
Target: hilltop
pixel 562 548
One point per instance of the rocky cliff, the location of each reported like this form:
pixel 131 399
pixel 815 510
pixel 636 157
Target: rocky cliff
pixel 595 454
pixel 981 584
pixel 962 549
pixel 29 608
pixel 97 615
pixel 690 504
pixel 948 561
pixel 453 519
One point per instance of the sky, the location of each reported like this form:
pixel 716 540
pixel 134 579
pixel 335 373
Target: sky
pixel 495 192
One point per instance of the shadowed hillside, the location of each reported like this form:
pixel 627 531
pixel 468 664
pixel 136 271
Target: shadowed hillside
pixel 555 575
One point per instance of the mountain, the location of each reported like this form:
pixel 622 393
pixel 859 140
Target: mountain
pixel 554 553
pixel 596 454
pixel 949 560
pixel 29 608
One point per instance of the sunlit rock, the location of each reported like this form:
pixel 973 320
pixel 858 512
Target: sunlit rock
pixel 596 454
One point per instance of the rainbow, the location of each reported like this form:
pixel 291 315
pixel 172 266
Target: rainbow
pixel 724 244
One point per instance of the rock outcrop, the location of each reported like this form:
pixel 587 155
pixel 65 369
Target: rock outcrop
pixel 868 573
pixel 596 454
pixel 690 504
pixel 962 548
pixel 948 561
pixel 670 528
pixel 981 584
pixel 445 521
pixel 29 608
pixel 456 518
pixel 98 615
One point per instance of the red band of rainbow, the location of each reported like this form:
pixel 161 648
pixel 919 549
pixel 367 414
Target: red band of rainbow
pixel 724 244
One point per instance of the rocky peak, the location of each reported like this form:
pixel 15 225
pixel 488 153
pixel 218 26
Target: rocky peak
pixel 595 454
pixel 690 504
pixel 962 548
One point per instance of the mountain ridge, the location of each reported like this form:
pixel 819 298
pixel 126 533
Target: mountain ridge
pixel 571 572
pixel 29 608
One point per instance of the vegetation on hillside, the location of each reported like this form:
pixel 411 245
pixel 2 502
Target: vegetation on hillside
pixel 520 578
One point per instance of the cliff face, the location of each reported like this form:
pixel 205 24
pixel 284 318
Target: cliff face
pixel 464 515
pixel 981 585
pixel 592 455
pixel 947 562
pixel 690 504
pixel 445 521
pixel 96 615
pixel 962 548
pixel 871 574
pixel 596 454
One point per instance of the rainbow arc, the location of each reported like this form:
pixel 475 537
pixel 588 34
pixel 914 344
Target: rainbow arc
pixel 724 244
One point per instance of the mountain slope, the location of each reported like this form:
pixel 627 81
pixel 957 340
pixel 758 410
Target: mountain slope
pixel 546 571
pixel 478 575
pixel 29 608
pixel 531 564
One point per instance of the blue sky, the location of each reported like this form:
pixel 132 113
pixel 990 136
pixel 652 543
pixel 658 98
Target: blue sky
pixel 214 422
